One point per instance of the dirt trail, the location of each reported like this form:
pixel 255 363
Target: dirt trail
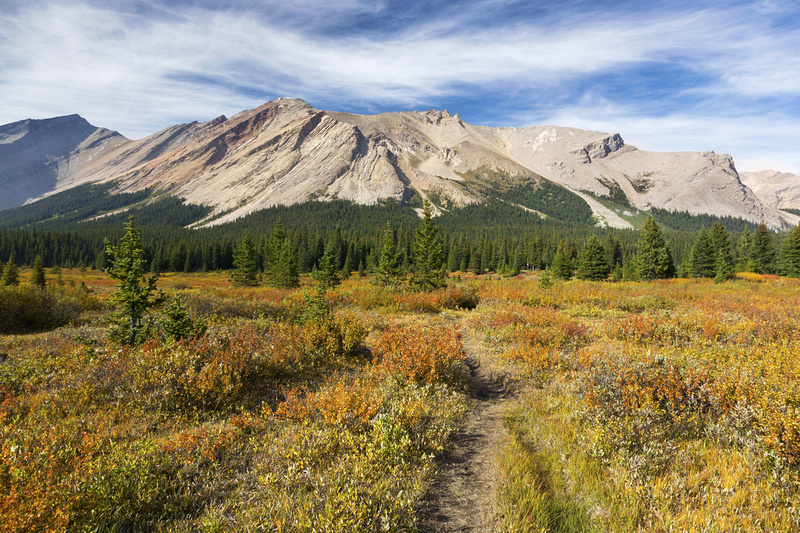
pixel 461 496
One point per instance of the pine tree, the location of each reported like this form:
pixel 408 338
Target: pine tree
pixel 724 268
pixel 245 273
pixel 475 263
pixel 653 258
pixel 177 324
pixel 592 264
pixel 453 262
pixel 273 250
pixel 790 254
pixel 763 253
pixel 703 258
pixel 387 272
pixel 283 273
pixel 721 241
pixel 745 252
pixel 10 273
pixel 327 277
pixel 136 292
pixel 428 261
pixel 562 264
pixel 37 278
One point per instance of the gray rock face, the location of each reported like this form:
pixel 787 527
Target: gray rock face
pixel 777 189
pixel 287 152
pixel 37 156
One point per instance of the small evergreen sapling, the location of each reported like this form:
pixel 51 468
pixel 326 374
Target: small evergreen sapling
pixel 10 273
pixel 177 324
pixel 136 292
pixel 37 278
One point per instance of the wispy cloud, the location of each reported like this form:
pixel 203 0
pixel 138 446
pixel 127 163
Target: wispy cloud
pixel 141 66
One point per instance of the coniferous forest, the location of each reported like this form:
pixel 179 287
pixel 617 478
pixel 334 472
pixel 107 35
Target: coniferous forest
pixel 523 228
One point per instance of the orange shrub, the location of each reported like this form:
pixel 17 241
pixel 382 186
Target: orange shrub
pixel 419 353
pixel 339 403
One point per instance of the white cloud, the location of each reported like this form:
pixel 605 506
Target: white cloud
pixel 137 74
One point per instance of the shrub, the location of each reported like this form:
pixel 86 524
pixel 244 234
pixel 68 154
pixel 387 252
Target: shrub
pixel 25 307
pixel 420 354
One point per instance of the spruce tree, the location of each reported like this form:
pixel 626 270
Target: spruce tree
pixel 428 271
pixel 10 273
pixel 763 252
pixel 387 272
pixel 327 277
pixel 177 324
pixel 136 292
pixel 245 273
pixel 274 244
pixel 703 259
pixel 37 278
pixel 724 268
pixel 283 273
pixel 721 241
pixel 592 265
pixel 475 263
pixel 653 258
pixel 790 254
pixel 453 262
pixel 562 264
pixel 745 252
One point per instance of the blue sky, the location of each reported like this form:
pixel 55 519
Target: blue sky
pixel 667 76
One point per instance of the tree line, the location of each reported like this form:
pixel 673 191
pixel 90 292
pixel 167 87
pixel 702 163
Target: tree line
pixel 493 237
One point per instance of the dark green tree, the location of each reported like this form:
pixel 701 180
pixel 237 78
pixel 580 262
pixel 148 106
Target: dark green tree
pixel 744 261
pixel 475 262
pixel 724 267
pixel 177 324
pixel 703 257
pixel 245 273
pixel 653 258
pixel 10 273
pixel 428 268
pixel 273 249
pixel 763 253
pixel 283 273
pixel 37 278
pixel 453 262
pixel 562 263
pixel 136 293
pixel 387 272
pixel 721 241
pixel 327 277
pixel 592 264
pixel 790 254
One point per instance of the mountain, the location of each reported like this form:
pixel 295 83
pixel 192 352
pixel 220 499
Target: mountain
pixel 777 189
pixel 38 157
pixel 287 152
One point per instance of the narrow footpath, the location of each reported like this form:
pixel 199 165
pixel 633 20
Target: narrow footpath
pixel 462 493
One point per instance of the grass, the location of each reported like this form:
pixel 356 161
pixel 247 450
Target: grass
pixel 661 406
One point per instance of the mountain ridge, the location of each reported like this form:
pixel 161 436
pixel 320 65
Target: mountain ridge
pixel 286 152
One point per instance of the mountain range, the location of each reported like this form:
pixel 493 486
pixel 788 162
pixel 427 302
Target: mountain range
pixel 287 152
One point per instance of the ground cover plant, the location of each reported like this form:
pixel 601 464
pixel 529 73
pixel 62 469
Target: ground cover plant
pixel 634 406
pixel 648 406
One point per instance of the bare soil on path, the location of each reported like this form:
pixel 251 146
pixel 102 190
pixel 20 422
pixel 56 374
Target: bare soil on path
pixel 461 496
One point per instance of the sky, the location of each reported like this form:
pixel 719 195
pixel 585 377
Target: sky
pixel 668 76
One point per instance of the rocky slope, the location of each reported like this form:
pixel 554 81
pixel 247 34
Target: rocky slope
pixel 287 152
pixel 38 157
pixel 777 189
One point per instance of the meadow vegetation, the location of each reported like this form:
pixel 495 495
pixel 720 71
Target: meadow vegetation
pixel 637 406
